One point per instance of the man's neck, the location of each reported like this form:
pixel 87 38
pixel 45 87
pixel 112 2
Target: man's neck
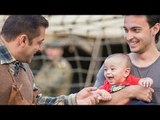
pixel 144 59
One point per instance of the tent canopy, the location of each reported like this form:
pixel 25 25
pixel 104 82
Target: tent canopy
pixel 92 26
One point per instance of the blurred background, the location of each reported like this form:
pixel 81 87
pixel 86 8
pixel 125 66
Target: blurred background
pixel 87 40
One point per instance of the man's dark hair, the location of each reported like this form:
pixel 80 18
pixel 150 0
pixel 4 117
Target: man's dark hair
pixel 152 20
pixel 23 24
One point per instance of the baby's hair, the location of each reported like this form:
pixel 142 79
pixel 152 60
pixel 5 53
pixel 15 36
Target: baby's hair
pixel 122 56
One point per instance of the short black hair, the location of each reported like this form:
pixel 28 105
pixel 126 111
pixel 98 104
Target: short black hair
pixel 19 24
pixel 152 20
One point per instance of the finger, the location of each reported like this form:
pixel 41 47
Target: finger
pixel 147 84
pixel 106 97
pixel 97 98
pixel 143 84
pixel 89 89
pixel 109 97
pixel 149 98
pixel 93 100
pixel 152 90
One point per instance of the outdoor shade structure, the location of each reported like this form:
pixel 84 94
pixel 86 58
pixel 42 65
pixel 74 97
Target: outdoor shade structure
pixel 92 26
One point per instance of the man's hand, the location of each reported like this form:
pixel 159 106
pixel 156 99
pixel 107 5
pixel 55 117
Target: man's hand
pixel 140 93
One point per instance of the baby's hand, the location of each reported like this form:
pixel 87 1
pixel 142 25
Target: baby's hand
pixel 146 82
pixel 104 95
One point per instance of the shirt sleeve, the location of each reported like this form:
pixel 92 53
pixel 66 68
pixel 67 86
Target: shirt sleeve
pixel 133 80
pixel 60 100
pixel 46 100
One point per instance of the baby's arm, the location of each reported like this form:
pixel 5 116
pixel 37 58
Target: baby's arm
pixel 145 82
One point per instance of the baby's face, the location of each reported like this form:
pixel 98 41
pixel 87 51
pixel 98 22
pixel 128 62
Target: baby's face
pixel 114 70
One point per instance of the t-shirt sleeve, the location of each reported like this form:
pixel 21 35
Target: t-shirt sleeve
pixel 133 80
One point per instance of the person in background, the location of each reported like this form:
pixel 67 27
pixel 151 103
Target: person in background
pixel 21 37
pixel 56 69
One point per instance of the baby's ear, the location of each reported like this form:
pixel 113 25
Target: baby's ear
pixel 127 72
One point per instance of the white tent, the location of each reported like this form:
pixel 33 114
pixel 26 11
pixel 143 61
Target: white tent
pixel 92 26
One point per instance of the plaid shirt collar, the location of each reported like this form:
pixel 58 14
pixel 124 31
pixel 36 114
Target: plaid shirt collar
pixel 5 56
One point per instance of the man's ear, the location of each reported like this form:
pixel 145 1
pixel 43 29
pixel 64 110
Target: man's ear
pixel 22 40
pixel 156 28
pixel 127 72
